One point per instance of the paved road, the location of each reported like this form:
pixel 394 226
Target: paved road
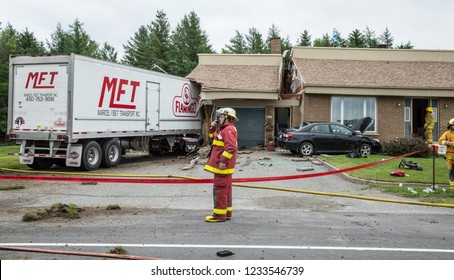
pixel 166 221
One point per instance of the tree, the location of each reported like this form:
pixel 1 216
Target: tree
pixel 305 39
pixel 274 32
pixel 325 41
pixel 28 44
pixel 237 45
pixel 408 45
pixel 356 39
pixel 160 41
pixel 8 45
pixel 80 41
pixel 254 42
pixel 371 40
pixel 59 42
pixel 386 38
pixel 137 51
pixel 188 40
pixel 108 53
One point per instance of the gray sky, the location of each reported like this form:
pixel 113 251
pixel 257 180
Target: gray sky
pixel 426 24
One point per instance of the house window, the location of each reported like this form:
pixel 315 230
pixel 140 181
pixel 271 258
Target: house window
pixel 347 110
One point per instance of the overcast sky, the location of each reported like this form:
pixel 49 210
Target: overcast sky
pixel 426 24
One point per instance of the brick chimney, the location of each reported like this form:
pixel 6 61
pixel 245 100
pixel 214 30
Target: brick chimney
pixel 275 44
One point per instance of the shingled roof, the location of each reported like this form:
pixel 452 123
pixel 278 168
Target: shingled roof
pixel 237 77
pixel 240 73
pixel 376 74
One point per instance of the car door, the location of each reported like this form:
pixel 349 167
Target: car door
pixel 345 140
pixel 322 137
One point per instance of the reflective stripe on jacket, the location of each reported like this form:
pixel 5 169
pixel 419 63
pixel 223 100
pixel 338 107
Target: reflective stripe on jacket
pixel 224 149
pixel 448 136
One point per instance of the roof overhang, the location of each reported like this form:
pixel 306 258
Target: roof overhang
pixel 223 94
pixel 410 92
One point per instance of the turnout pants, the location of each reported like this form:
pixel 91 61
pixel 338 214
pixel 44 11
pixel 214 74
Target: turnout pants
pixel 222 196
pixel 450 163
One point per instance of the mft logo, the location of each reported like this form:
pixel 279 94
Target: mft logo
pixel 122 93
pixel 41 79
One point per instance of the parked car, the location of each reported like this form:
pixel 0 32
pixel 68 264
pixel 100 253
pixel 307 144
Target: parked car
pixel 328 138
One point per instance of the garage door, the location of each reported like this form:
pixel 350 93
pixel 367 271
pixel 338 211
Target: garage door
pixel 250 127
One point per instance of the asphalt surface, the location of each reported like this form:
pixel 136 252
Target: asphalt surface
pixel 167 221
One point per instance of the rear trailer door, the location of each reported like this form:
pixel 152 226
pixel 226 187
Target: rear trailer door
pixel 40 96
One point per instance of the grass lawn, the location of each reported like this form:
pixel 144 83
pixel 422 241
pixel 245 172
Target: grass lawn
pixel 7 161
pixel 401 185
pixel 381 172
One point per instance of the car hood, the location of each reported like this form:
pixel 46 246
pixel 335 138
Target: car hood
pixel 362 124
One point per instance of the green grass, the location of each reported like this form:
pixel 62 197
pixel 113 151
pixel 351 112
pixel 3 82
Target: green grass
pixel 409 187
pixel 7 161
pixel 381 172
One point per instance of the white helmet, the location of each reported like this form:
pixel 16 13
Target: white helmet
pixel 229 112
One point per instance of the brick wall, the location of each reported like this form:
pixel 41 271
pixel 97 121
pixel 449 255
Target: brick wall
pixel 317 107
pixel 390 118
pixel 445 113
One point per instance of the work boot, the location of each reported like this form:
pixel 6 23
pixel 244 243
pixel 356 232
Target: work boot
pixel 215 218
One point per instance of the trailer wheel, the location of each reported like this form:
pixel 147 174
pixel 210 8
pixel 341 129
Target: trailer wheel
pixel 111 153
pixel 91 156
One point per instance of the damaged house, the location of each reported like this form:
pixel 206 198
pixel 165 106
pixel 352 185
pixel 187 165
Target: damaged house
pixel 391 86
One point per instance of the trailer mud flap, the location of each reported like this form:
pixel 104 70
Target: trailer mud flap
pixel 26 159
pixel 190 144
pixel 74 156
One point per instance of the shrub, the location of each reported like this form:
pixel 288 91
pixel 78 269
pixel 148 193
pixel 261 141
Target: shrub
pixel 400 146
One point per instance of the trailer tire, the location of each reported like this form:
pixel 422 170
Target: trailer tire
pixel 111 153
pixel 91 156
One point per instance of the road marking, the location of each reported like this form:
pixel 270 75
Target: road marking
pixel 333 248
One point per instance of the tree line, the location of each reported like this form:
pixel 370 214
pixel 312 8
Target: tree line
pixel 155 46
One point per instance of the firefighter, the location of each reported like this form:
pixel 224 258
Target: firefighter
pixel 447 139
pixel 222 162
pixel 429 125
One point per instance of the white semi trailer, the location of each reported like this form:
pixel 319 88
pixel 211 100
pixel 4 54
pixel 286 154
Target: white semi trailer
pixel 82 112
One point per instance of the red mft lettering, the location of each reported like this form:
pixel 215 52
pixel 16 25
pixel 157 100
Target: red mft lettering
pixel 116 87
pixel 41 79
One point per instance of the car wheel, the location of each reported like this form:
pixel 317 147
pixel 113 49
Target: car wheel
pixel 306 149
pixel 365 149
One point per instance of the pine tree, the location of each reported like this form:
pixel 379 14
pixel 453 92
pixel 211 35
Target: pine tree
pixel 8 45
pixel 159 41
pixel 188 40
pixel 386 38
pixel 371 40
pixel 237 44
pixel 28 44
pixel 108 53
pixel 356 39
pixel 254 42
pixel 305 39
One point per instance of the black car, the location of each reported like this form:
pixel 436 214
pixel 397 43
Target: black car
pixel 328 138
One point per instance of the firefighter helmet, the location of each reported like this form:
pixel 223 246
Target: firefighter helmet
pixel 450 123
pixel 228 112
pixel 429 109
